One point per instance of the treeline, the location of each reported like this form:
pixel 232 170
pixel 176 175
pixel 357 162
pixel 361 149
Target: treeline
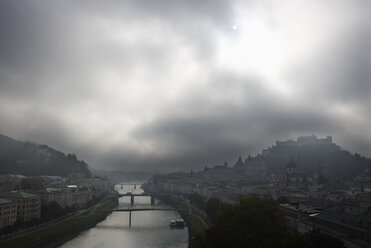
pixel 254 222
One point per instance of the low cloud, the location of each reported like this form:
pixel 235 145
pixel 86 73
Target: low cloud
pixel 175 85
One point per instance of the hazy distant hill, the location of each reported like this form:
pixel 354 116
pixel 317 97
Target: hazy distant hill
pixel 311 153
pixel 31 159
pixel 123 176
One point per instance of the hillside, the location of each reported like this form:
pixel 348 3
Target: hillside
pixel 311 153
pixel 32 159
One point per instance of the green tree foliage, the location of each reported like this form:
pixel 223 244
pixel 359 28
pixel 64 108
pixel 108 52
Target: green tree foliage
pixel 254 221
pixel 259 223
pixel 71 157
pixel 33 183
pixel 316 239
pixel 197 200
pixel 212 205
pixel 283 200
pixel 52 211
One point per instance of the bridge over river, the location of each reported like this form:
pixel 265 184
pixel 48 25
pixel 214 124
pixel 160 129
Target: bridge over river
pixel 132 195
pixel 134 224
pixel 130 210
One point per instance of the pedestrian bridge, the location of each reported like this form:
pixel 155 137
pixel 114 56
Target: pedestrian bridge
pixel 140 209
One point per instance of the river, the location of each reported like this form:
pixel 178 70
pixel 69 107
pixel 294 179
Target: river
pixel 149 229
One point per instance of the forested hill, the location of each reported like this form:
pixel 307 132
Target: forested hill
pixel 32 159
pixel 310 153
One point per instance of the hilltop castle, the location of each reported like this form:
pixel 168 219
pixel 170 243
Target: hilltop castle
pixel 300 141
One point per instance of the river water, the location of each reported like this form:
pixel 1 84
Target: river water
pixel 149 229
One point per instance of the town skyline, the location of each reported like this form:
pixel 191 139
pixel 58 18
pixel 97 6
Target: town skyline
pixel 25 147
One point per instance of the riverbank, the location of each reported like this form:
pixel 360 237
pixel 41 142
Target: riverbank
pixel 196 224
pixel 55 235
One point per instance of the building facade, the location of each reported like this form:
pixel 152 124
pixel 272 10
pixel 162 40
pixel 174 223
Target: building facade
pixel 8 213
pixel 28 205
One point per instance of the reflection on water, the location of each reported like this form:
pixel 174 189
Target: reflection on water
pixel 148 229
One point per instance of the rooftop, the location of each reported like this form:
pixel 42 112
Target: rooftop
pixel 16 194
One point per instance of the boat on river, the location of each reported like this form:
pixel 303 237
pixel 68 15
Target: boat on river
pixel 177 223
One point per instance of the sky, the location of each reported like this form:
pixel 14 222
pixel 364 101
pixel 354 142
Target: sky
pixel 169 85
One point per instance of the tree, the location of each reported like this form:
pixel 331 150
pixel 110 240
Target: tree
pixel 283 200
pixel 260 223
pixel 33 183
pixel 197 200
pixel 71 157
pixel 52 211
pixel 254 221
pixel 316 239
pixel 212 206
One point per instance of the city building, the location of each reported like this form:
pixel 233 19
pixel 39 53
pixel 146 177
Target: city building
pixel 57 195
pixel 99 186
pixel 78 195
pixel 8 213
pixel 28 205
pixel 256 170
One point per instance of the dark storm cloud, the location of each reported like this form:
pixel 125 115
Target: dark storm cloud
pixel 203 130
pixel 45 44
pixel 138 85
pixel 38 30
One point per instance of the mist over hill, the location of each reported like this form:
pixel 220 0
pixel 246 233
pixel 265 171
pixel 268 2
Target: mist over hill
pixel 311 153
pixel 307 152
pixel 119 176
pixel 30 159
